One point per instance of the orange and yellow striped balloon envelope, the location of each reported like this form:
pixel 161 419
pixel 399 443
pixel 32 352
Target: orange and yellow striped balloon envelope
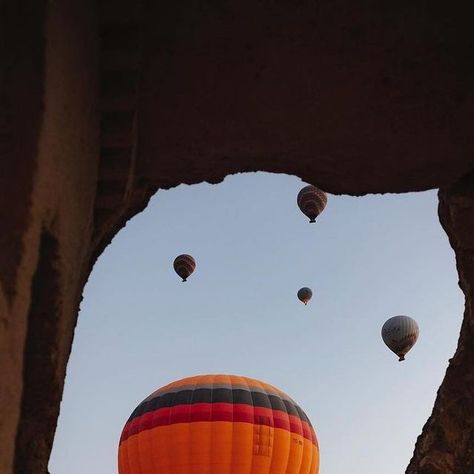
pixel 218 424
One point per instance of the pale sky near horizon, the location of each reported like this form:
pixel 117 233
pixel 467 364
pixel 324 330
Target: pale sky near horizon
pixel 366 259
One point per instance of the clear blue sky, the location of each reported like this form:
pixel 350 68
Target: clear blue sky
pixel 366 259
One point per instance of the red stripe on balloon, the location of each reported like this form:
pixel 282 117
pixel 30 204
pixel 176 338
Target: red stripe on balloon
pixel 237 412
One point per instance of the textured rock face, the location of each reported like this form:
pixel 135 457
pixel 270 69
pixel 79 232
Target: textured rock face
pixel 447 442
pixel 48 175
pixel 358 97
pixel 103 103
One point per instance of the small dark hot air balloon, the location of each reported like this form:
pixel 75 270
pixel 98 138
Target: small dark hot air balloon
pixel 184 265
pixel 304 295
pixel 218 424
pixel 311 201
pixel 400 334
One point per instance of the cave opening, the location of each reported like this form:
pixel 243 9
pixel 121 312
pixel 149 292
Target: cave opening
pixel 367 258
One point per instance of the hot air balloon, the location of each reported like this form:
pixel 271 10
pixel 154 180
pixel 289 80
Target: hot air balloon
pixel 311 201
pixel 218 424
pixel 184 265
pixel 305 294
pixel 400 334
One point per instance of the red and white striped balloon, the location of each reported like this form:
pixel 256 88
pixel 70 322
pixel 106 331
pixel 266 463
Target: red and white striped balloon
pixel 311 201
pixel 184 265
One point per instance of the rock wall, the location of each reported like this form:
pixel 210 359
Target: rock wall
pixel 103 103
pixel 49 160
pixel 361 97
pixel 447 442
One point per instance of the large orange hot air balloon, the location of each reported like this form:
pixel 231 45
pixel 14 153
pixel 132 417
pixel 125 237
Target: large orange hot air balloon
pixel 311 201
pixel 184 265
pixel 218 424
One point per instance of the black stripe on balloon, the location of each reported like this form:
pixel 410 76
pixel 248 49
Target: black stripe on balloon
pixel 184 259
pixel 219 395
pixel 182 263
pixel 183 268
pixel 312 196
pixel 312 204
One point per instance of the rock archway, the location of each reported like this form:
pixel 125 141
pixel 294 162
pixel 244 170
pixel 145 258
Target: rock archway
pixel 102 103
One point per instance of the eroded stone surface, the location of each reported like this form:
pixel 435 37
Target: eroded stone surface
pixel 358 97
pixel 48 163
pixel 447 442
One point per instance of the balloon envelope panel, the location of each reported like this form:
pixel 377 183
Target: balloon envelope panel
pixel 218 424
pixel 400 334
pixel 305 294
pixel 311 201
pixel 184 265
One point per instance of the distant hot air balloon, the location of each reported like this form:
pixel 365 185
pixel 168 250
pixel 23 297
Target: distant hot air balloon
pixel 305 294
pixel 400 334
pixel 218 424
pixel 311 201
pixel 184 265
